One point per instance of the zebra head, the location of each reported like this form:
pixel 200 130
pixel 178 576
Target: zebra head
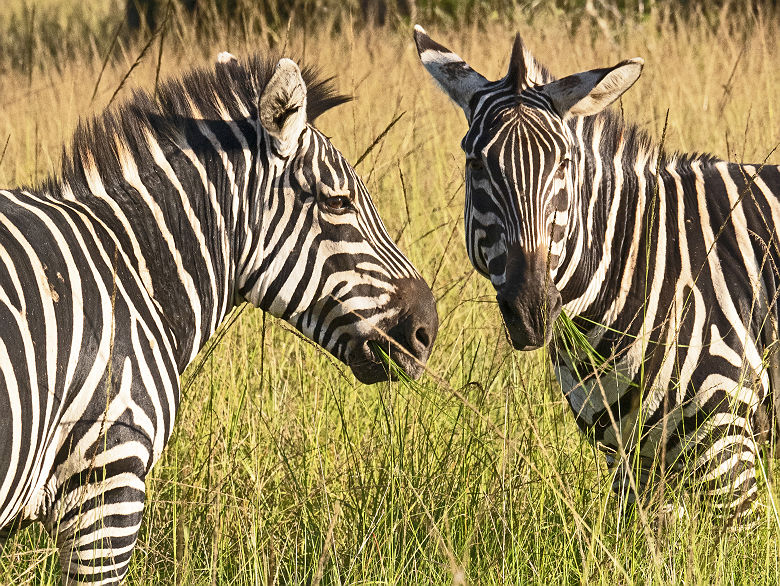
pixel 318 255
pixel 523 168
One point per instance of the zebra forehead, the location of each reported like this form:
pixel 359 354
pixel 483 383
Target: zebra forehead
pixel 515 127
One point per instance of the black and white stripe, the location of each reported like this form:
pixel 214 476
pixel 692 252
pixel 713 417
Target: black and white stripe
pixel 669 264
pixel 167 213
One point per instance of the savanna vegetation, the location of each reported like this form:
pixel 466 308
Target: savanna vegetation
pixel 283 469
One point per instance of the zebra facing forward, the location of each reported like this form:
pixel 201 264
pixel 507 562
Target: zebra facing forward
pixel 169 211
pixel 670 265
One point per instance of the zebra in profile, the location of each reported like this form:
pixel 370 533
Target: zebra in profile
pixel 169 211
pixel 669 265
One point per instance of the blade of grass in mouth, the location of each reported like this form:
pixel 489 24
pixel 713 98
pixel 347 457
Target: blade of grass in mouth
pixel 580 349
pixel 387 360
pixel 577 345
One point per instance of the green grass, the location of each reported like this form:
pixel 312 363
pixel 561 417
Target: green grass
pixel 282 468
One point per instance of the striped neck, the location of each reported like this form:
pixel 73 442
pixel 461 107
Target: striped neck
pixel 616 183
pixel 176 179
pixel 174 208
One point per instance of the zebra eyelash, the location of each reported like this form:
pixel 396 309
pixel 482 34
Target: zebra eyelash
pixel 338 204
pixel 335 202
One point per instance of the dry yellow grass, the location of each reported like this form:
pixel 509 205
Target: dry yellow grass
pixel 280 466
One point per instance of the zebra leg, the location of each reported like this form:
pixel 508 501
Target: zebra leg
pixel 649 484
pixel 11 529
pixel 98 527
pixel 98 502
pixel 726 473
pixel 630 481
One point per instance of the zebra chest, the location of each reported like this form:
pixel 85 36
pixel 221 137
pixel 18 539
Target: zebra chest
pixel 579 394
pixel 605 398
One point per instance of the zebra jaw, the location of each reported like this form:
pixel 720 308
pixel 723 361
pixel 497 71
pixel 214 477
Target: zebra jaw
pixel 402 352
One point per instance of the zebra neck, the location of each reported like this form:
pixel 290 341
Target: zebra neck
pixel 616 217
pixel 171 213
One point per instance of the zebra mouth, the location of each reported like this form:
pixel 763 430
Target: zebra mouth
pixel 527 334
pixel 523 348
pixel 524 340
pixel 369 362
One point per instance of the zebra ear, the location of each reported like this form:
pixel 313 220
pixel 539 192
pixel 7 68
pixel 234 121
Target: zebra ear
pixel 452 74
pixel 283 106
pixel 587 93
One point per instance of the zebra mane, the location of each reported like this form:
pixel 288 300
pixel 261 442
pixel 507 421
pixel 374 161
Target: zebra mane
pixel 200 94
pixel 617 129
pixel 637 141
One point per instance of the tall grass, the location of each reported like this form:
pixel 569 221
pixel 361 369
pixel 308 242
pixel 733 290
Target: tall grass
pixel 283 469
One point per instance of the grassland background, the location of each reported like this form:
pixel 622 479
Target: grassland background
pixel 283 469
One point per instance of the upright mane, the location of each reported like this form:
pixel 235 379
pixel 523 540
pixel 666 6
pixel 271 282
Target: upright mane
pixel 202 94
pixel 636 140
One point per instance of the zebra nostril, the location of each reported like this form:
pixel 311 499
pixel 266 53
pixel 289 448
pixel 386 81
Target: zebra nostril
pixel 415 331
pixel 421 336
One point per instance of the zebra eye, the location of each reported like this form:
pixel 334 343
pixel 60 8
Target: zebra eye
pixel 563 167
pixel 337 203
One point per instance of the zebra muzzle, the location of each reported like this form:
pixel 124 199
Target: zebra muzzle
pixel 528 299
pixel 406 341
pixel 529 322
